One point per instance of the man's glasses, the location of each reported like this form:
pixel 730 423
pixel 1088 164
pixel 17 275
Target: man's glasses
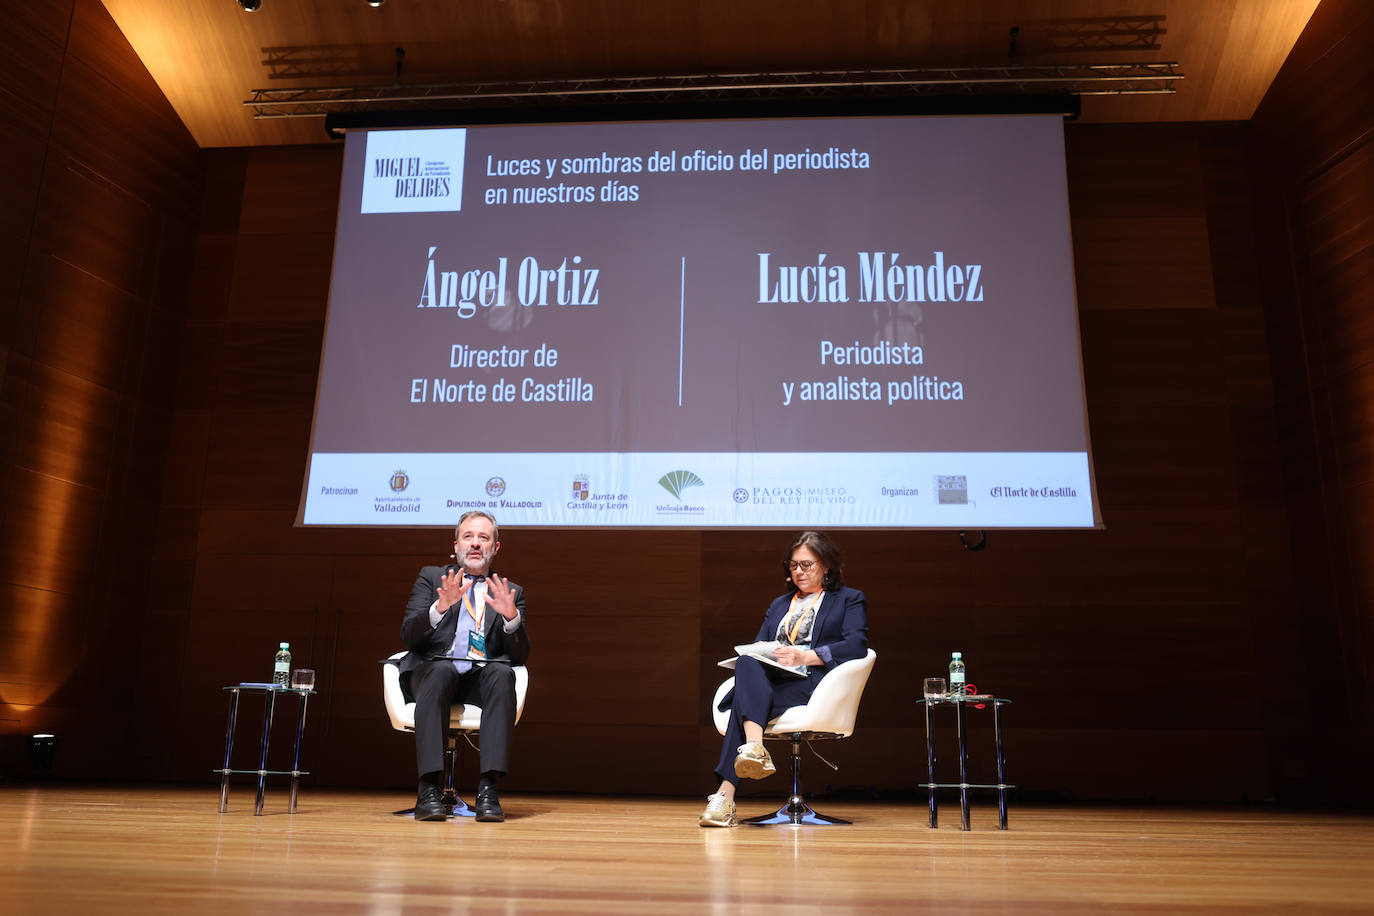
pixel 803 565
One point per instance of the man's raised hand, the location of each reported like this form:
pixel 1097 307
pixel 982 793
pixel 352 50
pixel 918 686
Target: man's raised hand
pixel 451 589
pixel 501 597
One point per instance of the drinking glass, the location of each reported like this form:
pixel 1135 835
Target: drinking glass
pixel 303 678
pixel 935 688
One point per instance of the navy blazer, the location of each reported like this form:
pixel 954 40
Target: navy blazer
pixel 425 641
pixel 840 633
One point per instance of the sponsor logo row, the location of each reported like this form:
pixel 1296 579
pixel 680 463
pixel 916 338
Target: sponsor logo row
pixel 680 484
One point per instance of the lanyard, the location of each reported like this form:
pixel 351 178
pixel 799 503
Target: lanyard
pixel 473 612
pixel 800 611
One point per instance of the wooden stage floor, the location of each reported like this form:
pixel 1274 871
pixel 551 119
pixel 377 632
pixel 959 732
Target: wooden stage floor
pixel 153 850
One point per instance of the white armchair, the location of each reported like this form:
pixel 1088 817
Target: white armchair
pixel 464 720
pixel 829 713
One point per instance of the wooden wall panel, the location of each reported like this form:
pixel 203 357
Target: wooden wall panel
pixel 140 161
pixel 271 364
pixel 1147 171
pixel 96 226
pixel 33 663
pixel 1351 403
pixel 256 457
pixel 282 277
pixel 1313 164
pixel 1346 339
pixel 293 192
pixel 231 531
pixel 183 471
pixel 65 426
pixel 653 680
pixel 48 523
pixel 1226 194
pixel 200 363
pixel 32 66
pixel 21 157
pixel 102 190
pixel 1359 528
pixel 75 315
pixel 212 277
pixel 100 46
pixel 1337 216
pixel 1318 107
pixel 1139 219
pixel 1125 268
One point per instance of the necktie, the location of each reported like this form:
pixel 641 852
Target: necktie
pixel 467 622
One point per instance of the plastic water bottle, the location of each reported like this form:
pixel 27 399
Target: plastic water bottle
pixel 281 670
pixel 957 675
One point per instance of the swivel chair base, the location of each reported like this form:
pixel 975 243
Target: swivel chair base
pixel 454 806
pixel 796 812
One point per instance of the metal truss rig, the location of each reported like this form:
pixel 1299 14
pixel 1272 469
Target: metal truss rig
pixel 1076 79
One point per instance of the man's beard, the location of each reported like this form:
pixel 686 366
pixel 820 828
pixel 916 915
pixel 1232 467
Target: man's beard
pixel 475 565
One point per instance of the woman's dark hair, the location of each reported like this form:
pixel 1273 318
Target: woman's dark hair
pixel 825 550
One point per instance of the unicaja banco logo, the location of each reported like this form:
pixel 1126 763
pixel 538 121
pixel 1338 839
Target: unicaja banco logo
pixel 677 481
pixel 399 481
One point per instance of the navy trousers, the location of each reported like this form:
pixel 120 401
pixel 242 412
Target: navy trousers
pixel 762 692
pixel 437 686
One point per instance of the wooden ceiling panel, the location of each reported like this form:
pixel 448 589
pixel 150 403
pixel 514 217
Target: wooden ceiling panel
pixel 208 55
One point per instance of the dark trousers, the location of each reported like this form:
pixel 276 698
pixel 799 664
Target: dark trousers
pixel 762 692
pixel 437 686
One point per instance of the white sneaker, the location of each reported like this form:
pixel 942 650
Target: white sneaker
pixel 753 762
pixel 718 813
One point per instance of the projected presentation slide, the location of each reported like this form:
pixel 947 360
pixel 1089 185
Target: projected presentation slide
pixel 840 322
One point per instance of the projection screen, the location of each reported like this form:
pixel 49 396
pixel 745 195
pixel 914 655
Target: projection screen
pixel 834 322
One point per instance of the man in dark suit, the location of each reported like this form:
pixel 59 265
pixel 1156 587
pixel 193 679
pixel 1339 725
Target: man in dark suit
pixel 464 611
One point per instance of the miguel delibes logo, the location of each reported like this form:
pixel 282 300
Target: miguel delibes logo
pixel 495 487
pixel 582 487
pixel 414 171
pixel 399 481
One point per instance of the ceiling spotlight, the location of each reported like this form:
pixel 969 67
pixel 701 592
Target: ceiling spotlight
pixel 250 6
pixel 376 3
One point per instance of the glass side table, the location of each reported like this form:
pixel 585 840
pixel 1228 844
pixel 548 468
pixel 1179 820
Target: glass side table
pixel 980 701
pixel 271 692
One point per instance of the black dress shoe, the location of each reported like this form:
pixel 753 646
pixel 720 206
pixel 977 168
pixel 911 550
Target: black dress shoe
pixel 489 805
pixel 429 806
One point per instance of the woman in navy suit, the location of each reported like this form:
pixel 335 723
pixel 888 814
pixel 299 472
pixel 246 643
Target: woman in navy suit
pixel 819 623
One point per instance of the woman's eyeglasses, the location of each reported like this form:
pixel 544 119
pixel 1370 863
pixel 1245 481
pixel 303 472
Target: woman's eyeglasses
pixel 803 565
